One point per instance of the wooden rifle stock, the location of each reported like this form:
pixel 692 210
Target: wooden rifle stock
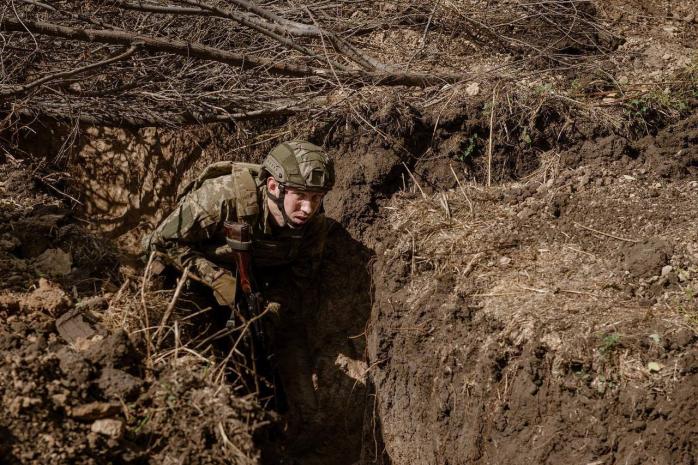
pixel 239 239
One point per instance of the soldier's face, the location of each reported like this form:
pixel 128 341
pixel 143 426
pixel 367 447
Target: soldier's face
pixel 300 206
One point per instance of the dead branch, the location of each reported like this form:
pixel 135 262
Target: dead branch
pixel 310 30
pixel 73 72
pixel 163 119
pixel 155 44
pixel 204 52
pixel 275 33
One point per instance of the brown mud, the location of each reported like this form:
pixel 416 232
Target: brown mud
pixel 77 390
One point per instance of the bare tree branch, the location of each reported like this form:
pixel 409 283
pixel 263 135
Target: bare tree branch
pixel 309 30
pixel 195 50
pixel 73 72
pixel 164 120
pixel 177 47
pixel 261 27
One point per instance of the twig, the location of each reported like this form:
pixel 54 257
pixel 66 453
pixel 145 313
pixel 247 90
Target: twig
pixel 580 251
pixel 570 291
pixel 158 336
pixel 470 204
pixel 64 74
pixel 489 144
pixel 144 283
pixel 424 196
pixel 445 205
pixel 469 267
pixel 246 328
pixel 606 234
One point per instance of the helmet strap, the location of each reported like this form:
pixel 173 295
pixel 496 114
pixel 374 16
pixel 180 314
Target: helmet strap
pixel 279 202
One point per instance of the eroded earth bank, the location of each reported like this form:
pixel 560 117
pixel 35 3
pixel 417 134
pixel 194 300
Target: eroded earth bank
pixel 547 321
pixel 511 275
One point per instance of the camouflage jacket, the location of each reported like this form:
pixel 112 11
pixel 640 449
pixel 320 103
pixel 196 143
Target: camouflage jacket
pixel 192 235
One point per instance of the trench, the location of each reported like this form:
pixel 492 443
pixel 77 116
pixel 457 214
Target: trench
pixel 126 182
pixel 477 387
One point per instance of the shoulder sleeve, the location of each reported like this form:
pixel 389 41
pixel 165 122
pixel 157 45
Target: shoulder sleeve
pixel 197 216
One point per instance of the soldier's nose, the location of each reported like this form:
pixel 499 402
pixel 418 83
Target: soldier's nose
pixel 306 207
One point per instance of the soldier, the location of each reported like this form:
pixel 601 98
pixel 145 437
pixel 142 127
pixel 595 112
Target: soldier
pixel 280 201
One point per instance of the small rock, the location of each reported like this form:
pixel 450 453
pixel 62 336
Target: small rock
pixel 525 213
pixel 108 427
pixel 95 411
pixel 472 89
pixel 49 297
pixel 73 365
pixel 667 269
pixel 54 262
pixel 654 367
pixel 116 383
pixel 96 302
pixel 683 276
pixel 59 399
pixel 648 257
pixel 683 338
pixel 504 261
pixel 623 80
pixel 74 325
pixel 116 350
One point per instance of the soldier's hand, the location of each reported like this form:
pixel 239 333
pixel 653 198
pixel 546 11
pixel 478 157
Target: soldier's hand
pixel 224 286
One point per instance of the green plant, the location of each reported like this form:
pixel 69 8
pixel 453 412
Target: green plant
pixel 470 149
pixel 609 343
pixel 526 137
pixel 143 421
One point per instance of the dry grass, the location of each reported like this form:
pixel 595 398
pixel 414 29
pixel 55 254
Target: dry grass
pixel 545 286
pixel 199 390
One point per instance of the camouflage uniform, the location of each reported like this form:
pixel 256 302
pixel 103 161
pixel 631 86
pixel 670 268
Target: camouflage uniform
pixel 192 235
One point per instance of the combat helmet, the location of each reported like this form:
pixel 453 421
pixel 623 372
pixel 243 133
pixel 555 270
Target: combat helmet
pixel 297 165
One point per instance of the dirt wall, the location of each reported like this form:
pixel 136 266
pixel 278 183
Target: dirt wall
pixel 546 321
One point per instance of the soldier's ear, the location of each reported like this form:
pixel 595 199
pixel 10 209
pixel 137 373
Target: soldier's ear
pixel 272 185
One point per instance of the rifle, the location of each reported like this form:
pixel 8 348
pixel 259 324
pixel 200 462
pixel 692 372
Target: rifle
pixel 239 239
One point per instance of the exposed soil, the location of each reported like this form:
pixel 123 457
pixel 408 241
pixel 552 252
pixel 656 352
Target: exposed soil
pixel 551 321
pixel 549 318
pixel 555 316
pixel 74 388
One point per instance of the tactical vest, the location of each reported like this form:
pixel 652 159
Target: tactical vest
pixel 268 250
